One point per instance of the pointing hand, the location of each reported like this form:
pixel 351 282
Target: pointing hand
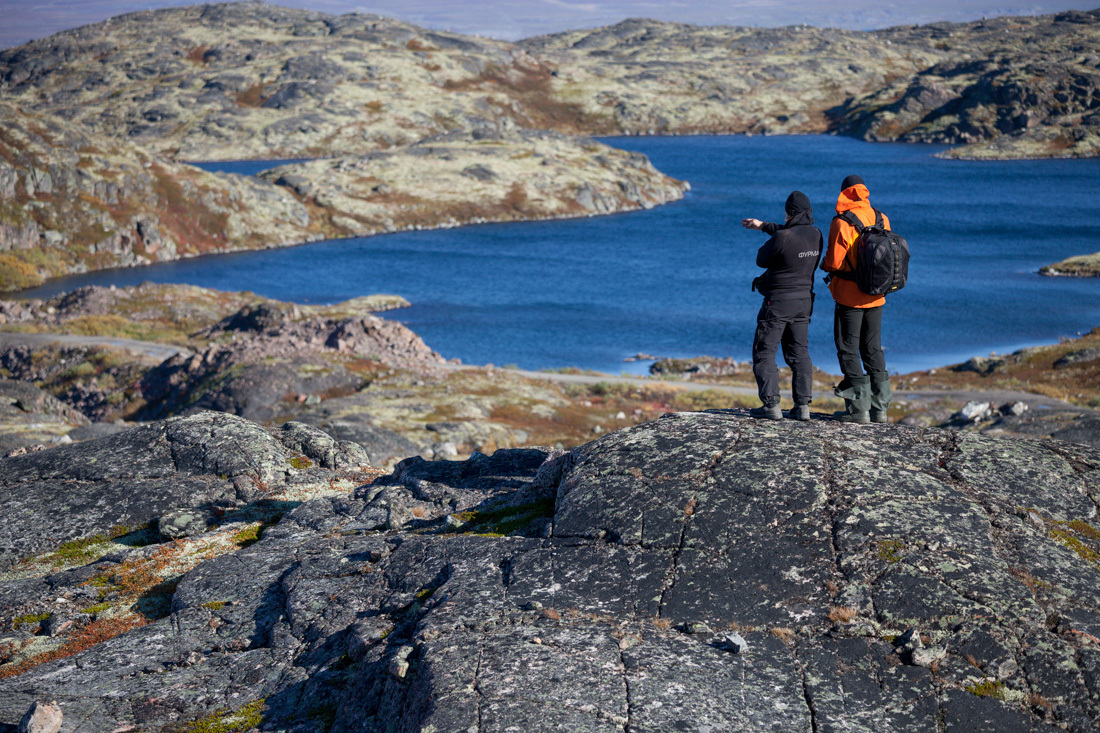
pixel 752 223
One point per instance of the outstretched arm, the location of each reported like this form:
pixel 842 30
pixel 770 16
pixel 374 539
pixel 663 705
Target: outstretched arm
pixel 765 226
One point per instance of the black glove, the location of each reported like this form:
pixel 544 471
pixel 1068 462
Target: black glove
pixel 757 282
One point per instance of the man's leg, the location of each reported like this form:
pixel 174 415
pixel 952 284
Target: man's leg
pixel 796 352
pixel 874 361
pixel 769 331
pixel 846 329
pixel 855 388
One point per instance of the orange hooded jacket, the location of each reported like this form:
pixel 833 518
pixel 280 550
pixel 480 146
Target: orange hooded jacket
pixel 839 256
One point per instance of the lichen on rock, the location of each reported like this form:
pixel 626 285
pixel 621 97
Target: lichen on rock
pixel 878 578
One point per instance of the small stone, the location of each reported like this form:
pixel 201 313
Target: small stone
pixel 453 522
pixel 56 625
pixel 928 656
pixel 736 643
pixel 909 639
pixel 1018 408
pixel 41 718
pixel 1006 669
pixel 696 627
pixel 620 415
pixel 399 668
pixel 532 606
pixel 974 411
pixel 536 640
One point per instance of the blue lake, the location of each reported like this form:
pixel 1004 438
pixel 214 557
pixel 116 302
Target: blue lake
pixel 674 281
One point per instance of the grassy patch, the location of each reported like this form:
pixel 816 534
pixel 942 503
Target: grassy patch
pixel 215 605
pixel 300 462
pixel 29 619
pixel 226 721
pixel 505 520
pixel 988 688
pixel 890 551
pixel 81 551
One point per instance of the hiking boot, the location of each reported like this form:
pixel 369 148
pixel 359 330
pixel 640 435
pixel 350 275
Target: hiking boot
pixel 856 392
pixel 857 418
pixel 767 413
pixel 799 412
pixel 880 397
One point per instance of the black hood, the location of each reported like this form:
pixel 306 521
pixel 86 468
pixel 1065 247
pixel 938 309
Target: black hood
pixel 799 211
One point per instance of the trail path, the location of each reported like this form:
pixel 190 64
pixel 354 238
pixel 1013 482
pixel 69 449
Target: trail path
pixel 997 397
pixel 145 348
pixel 166 351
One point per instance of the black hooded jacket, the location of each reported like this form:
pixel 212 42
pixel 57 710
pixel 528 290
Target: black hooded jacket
pixel 791 255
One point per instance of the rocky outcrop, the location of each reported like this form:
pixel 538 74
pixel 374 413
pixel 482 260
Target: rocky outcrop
pixel 1080 266
pixel 77 491
pixel 1028 93
pixel 265 360
pixel 76 200
pixel 31 417
pixel 699 572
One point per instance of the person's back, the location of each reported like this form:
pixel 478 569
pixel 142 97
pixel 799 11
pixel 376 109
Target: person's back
pixel 790 257
pixel 857 317
pixel 840 255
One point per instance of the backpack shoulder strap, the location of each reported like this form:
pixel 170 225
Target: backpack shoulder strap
pixel 852 219
pixel 878 219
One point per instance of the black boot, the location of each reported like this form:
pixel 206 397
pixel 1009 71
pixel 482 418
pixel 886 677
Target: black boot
pixel 880 397
pixel 856 392
pixel 767 412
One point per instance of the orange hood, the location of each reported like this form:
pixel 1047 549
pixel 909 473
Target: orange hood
pixel 853 197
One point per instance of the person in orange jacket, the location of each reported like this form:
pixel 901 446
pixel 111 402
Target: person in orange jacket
pixel 857 317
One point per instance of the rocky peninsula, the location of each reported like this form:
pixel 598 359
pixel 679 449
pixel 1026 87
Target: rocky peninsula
pixel 72 200
pixel 1079 266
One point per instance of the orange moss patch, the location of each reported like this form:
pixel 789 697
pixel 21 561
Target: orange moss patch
pixel 197 54
pixel 94 633
pixel 253 96
pixel 540 108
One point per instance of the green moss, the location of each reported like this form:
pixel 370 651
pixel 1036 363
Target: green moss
pixel 98 608
pixel 1070 541
pixel 215 605
pixel 228 721
pixel 300 462
pixel 988 688
pixel 505 520
pixel 248 535
pixel 1085 529
pixel 890 550
pixel 425 594
pixel 29 619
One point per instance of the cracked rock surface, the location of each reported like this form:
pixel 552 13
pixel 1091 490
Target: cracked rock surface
pixel 879 578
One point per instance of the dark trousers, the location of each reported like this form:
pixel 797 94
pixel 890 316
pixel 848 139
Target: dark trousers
pixel 785 322
pixel 858 336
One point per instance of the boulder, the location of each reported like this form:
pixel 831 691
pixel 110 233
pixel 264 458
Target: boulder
pixel 132 478
pixel 563 598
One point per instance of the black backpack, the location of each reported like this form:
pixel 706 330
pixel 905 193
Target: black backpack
pixel 882 257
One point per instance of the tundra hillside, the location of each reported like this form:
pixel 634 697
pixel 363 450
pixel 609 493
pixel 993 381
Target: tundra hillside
pixel 249 80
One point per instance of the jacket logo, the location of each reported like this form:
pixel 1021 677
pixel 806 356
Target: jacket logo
pixel 815 253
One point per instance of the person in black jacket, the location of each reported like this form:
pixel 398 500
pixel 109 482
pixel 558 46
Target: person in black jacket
pixel 787 285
